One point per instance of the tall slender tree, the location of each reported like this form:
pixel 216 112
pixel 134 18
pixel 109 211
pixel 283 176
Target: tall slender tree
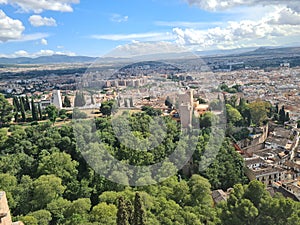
pixel 92 99
pixel 17 109
pixel 22 107
pixel 16 116
pixel 139 212
pixel 79 99
pixel 23 101
pixel 129 208
pixel 16 103
pixel 287 117
pixel 276 108
pixel 27 103
pixel 34 111
pixel 168 102
pixel 282 115
pixel 40 111
pixel 122 214
pixel 67 102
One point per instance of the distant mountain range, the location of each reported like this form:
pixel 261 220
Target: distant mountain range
pixel 271 51
pixel 220 52
pixel 292 51
pixel 47 59
pixel 54 59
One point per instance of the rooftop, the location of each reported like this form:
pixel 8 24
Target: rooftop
pixel 262 171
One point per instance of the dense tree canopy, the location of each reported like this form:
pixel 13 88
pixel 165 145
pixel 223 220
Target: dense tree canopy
pixel 233 115
pixel 5 111
pixel 48 181
pixel 107 107
pixel 252 204
pixel 52 113
pixel 259 111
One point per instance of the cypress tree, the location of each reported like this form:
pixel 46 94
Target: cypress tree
pixel 16 104
pixel 67 102
pixel 40 111
pixel 34 112
pixel 27 104
pixel 23 114
pixel 79 100
pixel 83 99
pixel 129 208
pixel 23 101
pixel 76 100
pixel 282 115
pixel 287 117
pixel 16 117
pixel 122 215
pixel 92 100
pixel 276 108
pixel 139 212
pixel 168 102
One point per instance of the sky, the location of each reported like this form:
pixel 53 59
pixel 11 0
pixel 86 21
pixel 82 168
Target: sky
pixel 34 28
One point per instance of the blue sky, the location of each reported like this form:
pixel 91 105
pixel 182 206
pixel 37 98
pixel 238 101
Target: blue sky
pixel 95 27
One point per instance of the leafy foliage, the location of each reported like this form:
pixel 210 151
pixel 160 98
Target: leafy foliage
pixel 48 182
pixel 107 107
pixel 52 113
pixel 66 102
pixel 151 111
pixel 259 111
pixel 253 205
pixel 5 111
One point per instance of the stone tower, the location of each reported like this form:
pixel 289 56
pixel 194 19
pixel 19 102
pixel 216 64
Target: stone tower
pixel 56 99
pixel 5 217
pixel 186 101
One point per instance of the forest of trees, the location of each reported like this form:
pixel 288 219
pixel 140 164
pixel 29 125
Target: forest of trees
pixel 47 180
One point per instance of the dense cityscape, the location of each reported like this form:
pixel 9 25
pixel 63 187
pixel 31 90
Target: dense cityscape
pixel 258 107
pixel 178 112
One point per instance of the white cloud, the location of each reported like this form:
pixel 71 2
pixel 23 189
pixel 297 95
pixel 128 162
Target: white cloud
pixel 186 24
pixel 286 16
pixel 10 29
pixel 225 4
pixel 151 36
pixel 118 18
pixel 38 21
pixel 39 6
pixel 44 41
pixel 43 52
pixel 21 53
pixel 269 30
pixel 30 37
pixel 152 49
pixel 48 52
